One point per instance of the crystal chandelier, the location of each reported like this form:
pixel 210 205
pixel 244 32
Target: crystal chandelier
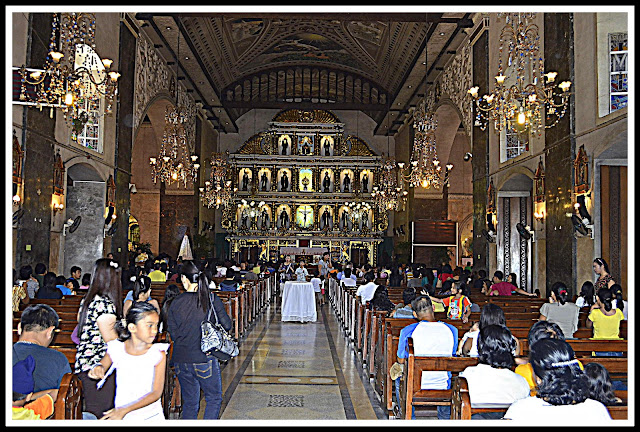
pixel 389 195
pixel 217 191
pixel 175 163
pixel 519 106
pixel 424 166
pixel 74 77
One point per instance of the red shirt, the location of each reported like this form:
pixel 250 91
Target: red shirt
pixel 503 288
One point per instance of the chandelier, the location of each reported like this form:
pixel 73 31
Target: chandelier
pixel 389 195
pixel 217 191
pixel 74 77
pixel 175 163
pixel 424 166
pixel 518 105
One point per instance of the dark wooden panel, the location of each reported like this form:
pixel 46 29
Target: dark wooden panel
pixel 434 232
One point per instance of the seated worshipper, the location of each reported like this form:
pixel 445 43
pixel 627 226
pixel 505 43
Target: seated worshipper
pixel 491 314
pixel 86 281
pixel 380 300
pixel 492 381
pixel 33 406
pixel 445 290
pixel 600 385
pixel 347 273
pixel 504 288
pixel 430 338
pixel 141 292
pixel 301 272
pixel 366 291
pixel 72 285
pixel 348 278
pixel 562 389
pixel 538 331
pixel 408 295
pixel 252 275
pixel 229 283
pixel 157 275
pixel 561 311
pixel 61 284
pixel 36 330
pixel 459 306
pixel 33 285
pixel 49 289
pixel 416 280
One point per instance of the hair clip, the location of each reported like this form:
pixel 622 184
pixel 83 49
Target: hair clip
pixel 564 363
pixel 113 264
pixel 563 292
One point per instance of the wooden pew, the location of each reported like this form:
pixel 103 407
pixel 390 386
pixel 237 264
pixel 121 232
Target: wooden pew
pixel 68 405
pixel 584 347
pixel 411 393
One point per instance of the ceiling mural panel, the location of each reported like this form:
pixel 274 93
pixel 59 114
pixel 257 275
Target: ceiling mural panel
pixel 220 51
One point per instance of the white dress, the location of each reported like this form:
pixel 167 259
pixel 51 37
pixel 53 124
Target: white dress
pixel 134 378
pixel 535 411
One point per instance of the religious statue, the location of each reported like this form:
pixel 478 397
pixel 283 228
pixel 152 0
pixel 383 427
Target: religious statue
pixel 284 219
pixel 346 183
pixel 284 181
pixel 326 182
pixel 285 146
pixel 344 255
pixel 263 181
pixel 364 221
pixel 245 180
pixel 263 253
pixel 327 148
pixel 264 219
pixel 326 219
pixel 365 183
pixel 305 147
pixel 245 220
pixel 343 219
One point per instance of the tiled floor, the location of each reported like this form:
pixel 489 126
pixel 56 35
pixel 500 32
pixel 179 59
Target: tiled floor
pixel 295 371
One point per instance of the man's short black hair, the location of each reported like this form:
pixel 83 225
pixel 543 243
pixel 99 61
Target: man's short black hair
pixel 422 305
pixel 75 269
pixel 38 317
pixel 231 273
pixel 369 277
pixel 40 268
pixel 499 275
pixel 25 272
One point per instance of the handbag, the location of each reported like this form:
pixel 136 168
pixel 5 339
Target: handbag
pixel 215 339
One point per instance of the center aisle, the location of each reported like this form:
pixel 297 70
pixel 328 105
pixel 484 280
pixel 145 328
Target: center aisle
pixel 295 371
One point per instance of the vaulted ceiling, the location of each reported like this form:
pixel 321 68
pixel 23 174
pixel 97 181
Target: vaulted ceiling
pixel 373 62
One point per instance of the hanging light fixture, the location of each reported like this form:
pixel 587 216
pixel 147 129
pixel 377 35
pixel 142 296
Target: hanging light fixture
pixel 74 77
pixel 424 168
pixel 175 163
pixel 519 106
pixel 218 191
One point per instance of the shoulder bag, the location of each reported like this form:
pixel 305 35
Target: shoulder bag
pixel 216 341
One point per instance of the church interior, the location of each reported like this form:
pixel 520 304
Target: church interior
pixel 412 141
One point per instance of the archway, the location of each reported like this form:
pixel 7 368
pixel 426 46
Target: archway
pixel 85 197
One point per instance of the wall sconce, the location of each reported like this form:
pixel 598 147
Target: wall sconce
pixel 57 207
pixel 16 200
pixel 539 216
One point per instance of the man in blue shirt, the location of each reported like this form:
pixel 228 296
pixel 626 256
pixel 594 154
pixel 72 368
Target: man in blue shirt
pixel 229 284
pixel 36 327
pixel 431 338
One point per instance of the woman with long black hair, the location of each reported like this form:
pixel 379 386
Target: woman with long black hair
pixel 562 389
pixel 196 370
pixel 561 311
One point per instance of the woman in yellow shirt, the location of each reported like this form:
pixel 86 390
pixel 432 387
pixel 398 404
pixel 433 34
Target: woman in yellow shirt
pixel 603 318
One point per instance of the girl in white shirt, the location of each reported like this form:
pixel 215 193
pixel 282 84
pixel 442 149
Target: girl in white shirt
pixel 140 364
pixel 562 389
pixel 301 272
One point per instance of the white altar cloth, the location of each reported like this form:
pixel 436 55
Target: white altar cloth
pixel 298 302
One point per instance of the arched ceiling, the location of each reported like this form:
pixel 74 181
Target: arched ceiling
pixel 373 62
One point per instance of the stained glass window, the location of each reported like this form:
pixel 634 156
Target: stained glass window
pixel 618 69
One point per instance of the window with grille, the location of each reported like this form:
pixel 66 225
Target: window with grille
pixel 513 144
pixel 618 70
pixel 90 136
